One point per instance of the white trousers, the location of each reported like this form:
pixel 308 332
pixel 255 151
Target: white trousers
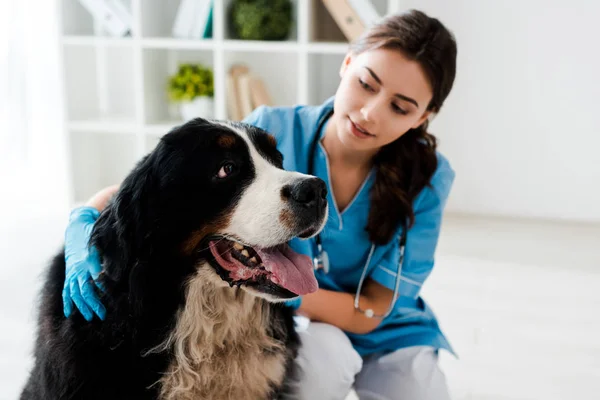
pixel 330 367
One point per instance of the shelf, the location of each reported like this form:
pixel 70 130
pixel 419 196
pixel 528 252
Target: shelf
pixel 117 106
pixel 174 43
pixel 92 40
pixel 260 46
pixel 123 126
pixel 208 44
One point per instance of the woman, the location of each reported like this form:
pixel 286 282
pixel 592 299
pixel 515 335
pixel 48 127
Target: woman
pixel 387 189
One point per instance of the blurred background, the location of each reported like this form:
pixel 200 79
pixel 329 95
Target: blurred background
pixel 87 87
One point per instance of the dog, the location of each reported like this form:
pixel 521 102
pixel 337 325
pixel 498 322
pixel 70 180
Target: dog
pixel 195 272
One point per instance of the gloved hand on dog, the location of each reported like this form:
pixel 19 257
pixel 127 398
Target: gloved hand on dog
pixel 82 266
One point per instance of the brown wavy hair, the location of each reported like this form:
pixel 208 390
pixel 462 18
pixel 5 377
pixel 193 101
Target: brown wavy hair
pixel 405 166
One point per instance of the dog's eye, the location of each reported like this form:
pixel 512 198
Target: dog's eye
pixel 226 170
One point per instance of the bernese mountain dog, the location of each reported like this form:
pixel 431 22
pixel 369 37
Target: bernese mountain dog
pixel 195 272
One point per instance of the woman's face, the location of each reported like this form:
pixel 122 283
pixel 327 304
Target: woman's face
pixel 382 95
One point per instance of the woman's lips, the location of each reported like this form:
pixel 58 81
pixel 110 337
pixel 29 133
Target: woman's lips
pixel 359 131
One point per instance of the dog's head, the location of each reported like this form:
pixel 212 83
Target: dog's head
pixel 216 192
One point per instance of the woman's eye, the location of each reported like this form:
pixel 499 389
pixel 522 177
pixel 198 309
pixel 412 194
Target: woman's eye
pixel 226 170
pixel 364 84
pixel 398 109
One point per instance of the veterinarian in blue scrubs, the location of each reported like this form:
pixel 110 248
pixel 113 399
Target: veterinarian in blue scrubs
pixel 387 190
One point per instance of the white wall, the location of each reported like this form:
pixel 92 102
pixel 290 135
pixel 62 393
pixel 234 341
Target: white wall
pixel 522 125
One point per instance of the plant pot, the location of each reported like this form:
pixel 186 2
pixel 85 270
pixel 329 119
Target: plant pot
pixel 199 107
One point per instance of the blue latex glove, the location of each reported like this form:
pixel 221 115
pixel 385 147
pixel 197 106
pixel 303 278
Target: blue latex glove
pixel 82 266
pixel 294 303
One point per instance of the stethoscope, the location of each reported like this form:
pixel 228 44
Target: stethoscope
pixel 321 260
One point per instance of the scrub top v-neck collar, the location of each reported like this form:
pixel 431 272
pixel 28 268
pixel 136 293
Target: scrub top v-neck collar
pixel 364 187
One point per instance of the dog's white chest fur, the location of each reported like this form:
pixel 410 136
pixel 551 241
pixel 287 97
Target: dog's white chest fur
pixel 221 346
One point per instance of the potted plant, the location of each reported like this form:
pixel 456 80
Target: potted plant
pixel 192 87
pixel 261 19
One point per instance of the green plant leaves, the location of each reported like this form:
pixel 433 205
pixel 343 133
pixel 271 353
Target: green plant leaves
pixel 190 81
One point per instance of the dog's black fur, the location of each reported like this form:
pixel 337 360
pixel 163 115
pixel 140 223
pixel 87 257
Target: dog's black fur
pixel 168 196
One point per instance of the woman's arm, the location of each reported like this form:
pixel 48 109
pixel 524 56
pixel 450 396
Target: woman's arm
pixel 337 308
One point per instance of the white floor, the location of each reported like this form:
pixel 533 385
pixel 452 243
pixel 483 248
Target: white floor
pixel 519 300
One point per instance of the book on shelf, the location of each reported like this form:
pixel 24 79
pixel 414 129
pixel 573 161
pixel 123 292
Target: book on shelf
pixel 184 19
pixel 111 15
pixel 324 27
pixel 122 12
pixel 208 28
pixel 345 17
pixel 244 95
pixel 234 105
pixel 352 16
pixel 258 91
pixel 193 19
pixel 366 11
pixel 245 92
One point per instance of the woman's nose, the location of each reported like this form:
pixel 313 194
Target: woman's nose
pixel 370 110
pixel 365 112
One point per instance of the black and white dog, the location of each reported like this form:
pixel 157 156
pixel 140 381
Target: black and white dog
pixel 195 261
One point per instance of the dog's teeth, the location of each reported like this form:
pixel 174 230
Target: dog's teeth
pixel 253 260
pixel 245 253
pixel 238 246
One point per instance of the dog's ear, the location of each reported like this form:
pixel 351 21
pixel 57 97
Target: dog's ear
pixel 124 232
pixel 123 229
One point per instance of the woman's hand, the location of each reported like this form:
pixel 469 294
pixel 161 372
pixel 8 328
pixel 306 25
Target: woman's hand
pixel 82 266
pixel 82 263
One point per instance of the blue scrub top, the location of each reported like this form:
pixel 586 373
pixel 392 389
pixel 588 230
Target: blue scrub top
pixel 412 322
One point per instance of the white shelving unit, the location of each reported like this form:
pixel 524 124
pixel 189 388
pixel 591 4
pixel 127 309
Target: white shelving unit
pixel 116 102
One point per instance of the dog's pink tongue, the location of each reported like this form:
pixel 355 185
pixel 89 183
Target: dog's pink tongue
pixel 293 271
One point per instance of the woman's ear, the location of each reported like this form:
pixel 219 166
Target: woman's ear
pixel 422 119
pixel 345 64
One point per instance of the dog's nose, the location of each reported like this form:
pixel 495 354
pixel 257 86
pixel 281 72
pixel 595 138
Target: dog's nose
pixel 306 199
pixel 308 193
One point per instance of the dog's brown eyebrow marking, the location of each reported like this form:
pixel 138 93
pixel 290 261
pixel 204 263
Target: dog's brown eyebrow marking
pixel 226 141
